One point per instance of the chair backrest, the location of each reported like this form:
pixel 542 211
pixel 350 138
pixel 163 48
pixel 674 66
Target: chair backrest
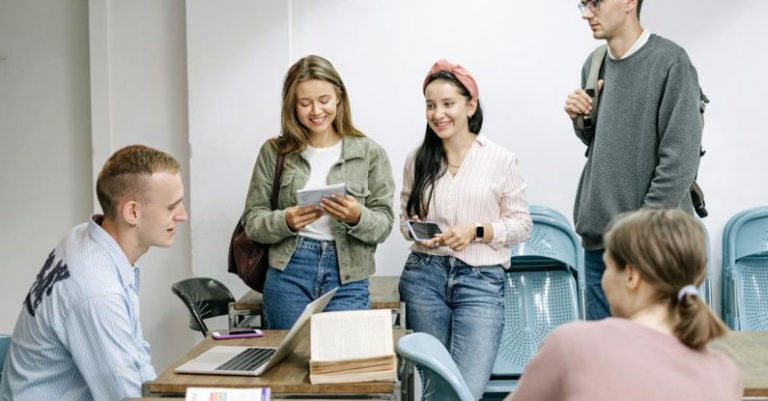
pixel 440 378
pixel 535 303
pixel 5 342
pixel 549 212
pixel 745 270
pixel 542 290
pixel 552 243
pixel 706 287
pixel 205 298
pixel 726 280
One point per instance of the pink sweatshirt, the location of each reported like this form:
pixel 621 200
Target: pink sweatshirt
pixel 617 359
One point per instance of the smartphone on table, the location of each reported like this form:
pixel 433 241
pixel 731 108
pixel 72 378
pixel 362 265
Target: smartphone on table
pixel 423 230
pixel 237 333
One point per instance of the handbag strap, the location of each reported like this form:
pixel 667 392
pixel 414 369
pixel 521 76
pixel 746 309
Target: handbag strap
pixel 276 183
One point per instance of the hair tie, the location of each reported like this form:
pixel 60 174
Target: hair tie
pixel 461 74
pixel 689 289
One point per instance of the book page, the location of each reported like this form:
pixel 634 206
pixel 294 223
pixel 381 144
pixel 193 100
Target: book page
pixel 228 394
pixel 347 335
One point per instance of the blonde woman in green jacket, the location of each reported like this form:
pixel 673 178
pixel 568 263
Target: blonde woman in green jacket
pixel 319 247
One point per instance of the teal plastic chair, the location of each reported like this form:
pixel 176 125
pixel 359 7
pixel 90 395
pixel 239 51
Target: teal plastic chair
pixel 706 287
pixel 5 342
pixel 726 282
pixel 549 212
pixel 440 378
pixel 745 270
pixel 543 289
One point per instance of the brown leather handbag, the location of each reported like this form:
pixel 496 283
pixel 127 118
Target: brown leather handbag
pixel 249 259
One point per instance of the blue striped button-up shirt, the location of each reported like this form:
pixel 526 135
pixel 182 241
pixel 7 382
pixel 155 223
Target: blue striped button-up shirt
pixel 78 336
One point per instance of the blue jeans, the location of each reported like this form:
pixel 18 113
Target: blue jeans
pixel 461 305
pixel 597 304
pixel 312 271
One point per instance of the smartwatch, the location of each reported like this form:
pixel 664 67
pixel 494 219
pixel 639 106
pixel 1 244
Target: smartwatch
pixel 479 231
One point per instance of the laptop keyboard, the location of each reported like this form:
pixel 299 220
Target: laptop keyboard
pixel 248 360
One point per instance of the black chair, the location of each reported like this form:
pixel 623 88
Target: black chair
pixel 205 298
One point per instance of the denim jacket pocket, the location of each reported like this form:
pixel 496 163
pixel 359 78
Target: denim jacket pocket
pixel 287 196
pixel 359 191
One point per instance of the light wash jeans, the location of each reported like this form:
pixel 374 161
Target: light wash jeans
pixel 461 305
pixel 312 271
pixel 597 303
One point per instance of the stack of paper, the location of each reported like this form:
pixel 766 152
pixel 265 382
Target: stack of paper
pixel 352 346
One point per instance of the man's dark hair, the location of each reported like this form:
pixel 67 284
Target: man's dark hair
pixel 639 6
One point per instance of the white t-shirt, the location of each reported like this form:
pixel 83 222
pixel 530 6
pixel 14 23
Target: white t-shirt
pixel 320 162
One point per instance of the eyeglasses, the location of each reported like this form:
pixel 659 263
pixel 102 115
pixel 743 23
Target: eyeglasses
pixel 591 5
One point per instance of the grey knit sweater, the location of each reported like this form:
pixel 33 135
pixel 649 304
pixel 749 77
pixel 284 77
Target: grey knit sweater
pixel 646 147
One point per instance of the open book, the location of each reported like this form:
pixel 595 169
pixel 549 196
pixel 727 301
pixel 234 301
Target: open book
pixel 352 346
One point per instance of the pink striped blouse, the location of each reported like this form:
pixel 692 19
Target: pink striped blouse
pixel 487 189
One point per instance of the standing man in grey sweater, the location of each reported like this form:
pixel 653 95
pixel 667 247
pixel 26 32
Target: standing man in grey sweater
pixel 645 148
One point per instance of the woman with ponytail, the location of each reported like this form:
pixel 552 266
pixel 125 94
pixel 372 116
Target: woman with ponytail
pixel 452 284
pixel 655 348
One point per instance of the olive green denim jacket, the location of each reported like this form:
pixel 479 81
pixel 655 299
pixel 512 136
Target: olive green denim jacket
pixel 364 167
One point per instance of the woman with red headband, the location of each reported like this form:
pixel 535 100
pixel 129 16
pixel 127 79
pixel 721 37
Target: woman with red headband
pixel 452 284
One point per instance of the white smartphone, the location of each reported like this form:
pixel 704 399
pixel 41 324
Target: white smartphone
pixel 423 230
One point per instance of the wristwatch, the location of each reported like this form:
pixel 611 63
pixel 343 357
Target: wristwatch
pixel 479 231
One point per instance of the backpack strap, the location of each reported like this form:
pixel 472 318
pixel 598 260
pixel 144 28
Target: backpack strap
pixel 587 123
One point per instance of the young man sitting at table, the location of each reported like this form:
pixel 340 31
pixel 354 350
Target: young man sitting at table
pixel 78 335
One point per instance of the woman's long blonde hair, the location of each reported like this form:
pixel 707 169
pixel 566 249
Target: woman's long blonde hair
pixel 667 247
pixel 294 136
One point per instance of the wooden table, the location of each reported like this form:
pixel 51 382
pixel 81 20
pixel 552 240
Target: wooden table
pixel 749 350
pixel 383 290
pixel 289 379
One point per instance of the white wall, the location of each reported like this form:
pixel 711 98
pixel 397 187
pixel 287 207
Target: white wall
pixel 63 65
pixel 45 153
pixel 525 56
pixel 138 63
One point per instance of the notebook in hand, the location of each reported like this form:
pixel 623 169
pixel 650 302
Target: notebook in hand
pixel 253 361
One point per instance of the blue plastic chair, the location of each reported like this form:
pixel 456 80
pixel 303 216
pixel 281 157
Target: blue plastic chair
pixel 549 212
pixel 706 287
pixel 5 342
pixel 543 289
pixel 728 300
pixel 745 270
pixel 440 378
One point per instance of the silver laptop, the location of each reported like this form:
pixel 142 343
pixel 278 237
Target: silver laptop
pixel 250 361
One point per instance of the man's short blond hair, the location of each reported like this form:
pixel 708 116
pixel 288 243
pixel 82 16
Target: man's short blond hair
pixel 125 173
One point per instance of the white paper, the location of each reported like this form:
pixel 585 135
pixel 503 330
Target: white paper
pixel 227 394
pixel 351 335
pixel 313 196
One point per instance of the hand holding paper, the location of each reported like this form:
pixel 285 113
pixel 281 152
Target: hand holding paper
pixel 313 196
pixel 343 208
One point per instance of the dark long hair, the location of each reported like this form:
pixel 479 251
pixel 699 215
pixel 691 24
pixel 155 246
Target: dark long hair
pixel 431 162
